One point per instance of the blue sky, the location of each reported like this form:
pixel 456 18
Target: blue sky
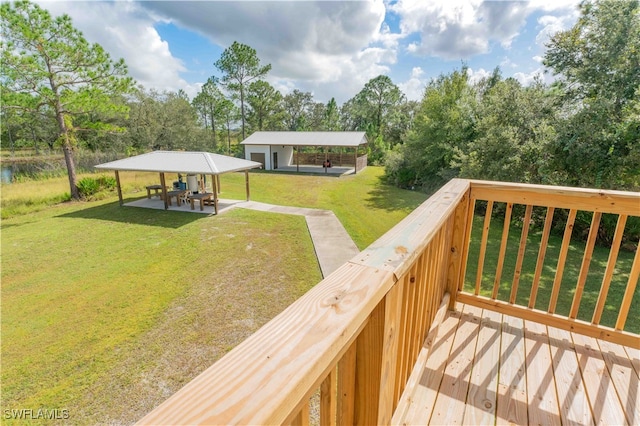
pixel 329 48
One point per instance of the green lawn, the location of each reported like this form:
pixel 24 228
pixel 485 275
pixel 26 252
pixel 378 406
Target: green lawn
pixel 107 310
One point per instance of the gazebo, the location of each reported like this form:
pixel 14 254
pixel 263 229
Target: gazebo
pixel 182 162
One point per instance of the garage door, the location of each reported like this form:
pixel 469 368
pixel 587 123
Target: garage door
pixel 258 157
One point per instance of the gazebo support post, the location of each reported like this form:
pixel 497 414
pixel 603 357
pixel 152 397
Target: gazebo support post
pixel 246 182
pixel 214 186
pixel 355 159
pixel 164 191
pixel 297 148
pixel 219 186
pixel 119 187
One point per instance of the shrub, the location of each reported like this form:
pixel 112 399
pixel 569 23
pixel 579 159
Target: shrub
pixel 90 187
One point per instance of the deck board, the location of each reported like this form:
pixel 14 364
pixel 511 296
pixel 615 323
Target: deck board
pixel 450 403
pixel 489 368
pixel 512 390
pixel 481 398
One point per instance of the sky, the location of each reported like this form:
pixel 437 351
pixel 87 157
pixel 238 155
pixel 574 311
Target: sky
pixel 328 48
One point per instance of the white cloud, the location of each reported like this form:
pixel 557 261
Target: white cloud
pixel 317 44
pixel 414 87
pixel 459 28
pixel 477 75
pixel 124 28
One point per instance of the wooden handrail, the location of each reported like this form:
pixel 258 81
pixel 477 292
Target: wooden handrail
pixel 575 200
pixel 357 335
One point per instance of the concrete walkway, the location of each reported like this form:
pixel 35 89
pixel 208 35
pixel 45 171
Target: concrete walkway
pixel 332 243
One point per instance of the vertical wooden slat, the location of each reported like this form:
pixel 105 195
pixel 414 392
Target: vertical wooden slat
pixel 611 264
pixel 302 418
pixel 541 255
pixel 586 261
pixel 368 366
pixel 483 245
pixel 346 387
pixel 411 282
pixel 402 332
pixel 392 319
pixel 562 258
pixel 329 399
pixel 465 246
pixel 628 293
pixel 456 250
pixel 521 249
pixel 503 249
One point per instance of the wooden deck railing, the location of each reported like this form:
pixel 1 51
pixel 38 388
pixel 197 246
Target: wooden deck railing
pixel 354 338
pixel 525 302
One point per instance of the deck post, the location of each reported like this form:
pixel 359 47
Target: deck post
pixel 119 187
pixel 164 191
pixel 458 245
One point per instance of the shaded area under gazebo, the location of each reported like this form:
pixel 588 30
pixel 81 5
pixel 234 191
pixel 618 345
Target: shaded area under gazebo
pixel 186 163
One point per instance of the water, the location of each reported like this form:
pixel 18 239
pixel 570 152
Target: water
pixel 6 174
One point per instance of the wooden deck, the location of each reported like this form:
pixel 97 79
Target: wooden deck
pixel 484 368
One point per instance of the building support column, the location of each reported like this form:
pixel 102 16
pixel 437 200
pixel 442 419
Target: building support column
pixel 119 187
pixel 246 180
pixel 164 191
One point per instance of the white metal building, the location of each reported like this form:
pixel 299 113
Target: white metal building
pixel 278 149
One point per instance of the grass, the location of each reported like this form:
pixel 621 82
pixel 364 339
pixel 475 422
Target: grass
pixel 569 278
pixel 106 311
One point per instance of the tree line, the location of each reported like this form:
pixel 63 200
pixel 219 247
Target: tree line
pixel 583 130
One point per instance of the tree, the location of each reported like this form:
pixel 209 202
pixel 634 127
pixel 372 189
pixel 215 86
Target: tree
pixel 379 96
pixel 64 75
pixel 206 103
pixel 297 107
pixel 442 127
pixel 332 116
pixel 598 64
pixel 266 106
pixel 514 128
pixel 240 65
pixel 229 114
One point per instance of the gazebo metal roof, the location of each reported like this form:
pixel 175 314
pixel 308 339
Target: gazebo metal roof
pixel 204 163
pixel 346 139
pixel 181 162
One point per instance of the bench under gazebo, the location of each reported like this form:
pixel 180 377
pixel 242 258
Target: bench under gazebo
pixel 182 163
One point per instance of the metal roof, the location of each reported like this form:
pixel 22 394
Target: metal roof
pixel 351 139
pixel 181 162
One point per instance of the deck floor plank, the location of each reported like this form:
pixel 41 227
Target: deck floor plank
pixel 450 403
pixel 534 374
pixel 542 399
pixel 624 378
pixel 604 401
pixel 421 403
pixel 572 397
pixel 512 386
pixel 483 386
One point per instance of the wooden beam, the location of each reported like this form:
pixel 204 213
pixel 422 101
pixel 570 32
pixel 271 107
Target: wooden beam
pixel 164 191
pixel 217 177
pixel 297 158
pixel 119 187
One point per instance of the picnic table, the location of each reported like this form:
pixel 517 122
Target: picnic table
pixel 156 188
pixel 201 196
pixel 179 194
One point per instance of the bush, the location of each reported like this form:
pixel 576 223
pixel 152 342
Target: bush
pixel 90 187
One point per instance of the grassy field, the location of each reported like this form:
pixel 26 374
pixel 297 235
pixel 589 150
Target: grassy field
pixel 106 311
